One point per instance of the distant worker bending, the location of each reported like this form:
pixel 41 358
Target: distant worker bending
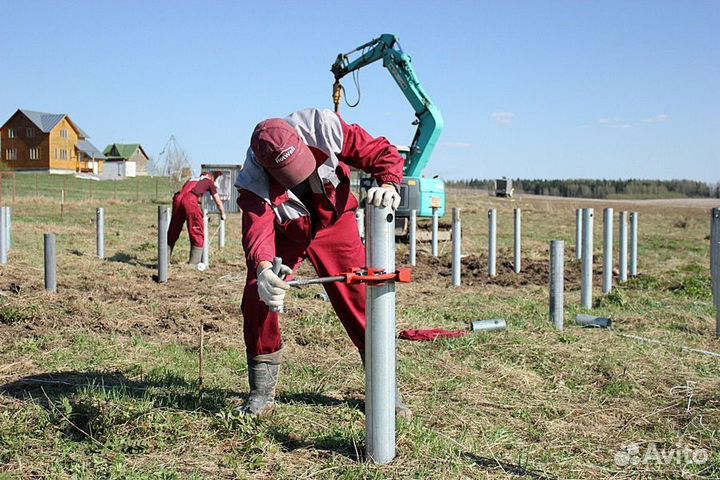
pixel 187 208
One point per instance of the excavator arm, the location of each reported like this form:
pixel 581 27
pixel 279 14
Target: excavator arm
pixel 429 120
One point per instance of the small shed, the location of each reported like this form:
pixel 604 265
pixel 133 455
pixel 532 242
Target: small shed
pixel 225 185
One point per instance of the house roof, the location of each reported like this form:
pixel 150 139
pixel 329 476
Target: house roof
pixel 47 121
pixel 123 150
pixel 89 149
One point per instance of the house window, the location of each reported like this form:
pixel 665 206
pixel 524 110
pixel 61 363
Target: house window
pixel 11 154
pixel 34 154
pixel 64 133
pixel 30 132
pixel 11 133
pixel 63 154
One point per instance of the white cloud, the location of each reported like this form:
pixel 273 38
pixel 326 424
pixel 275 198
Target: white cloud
pixel 615 122
pixel 502 118
pixel 455 144
pixel 659 118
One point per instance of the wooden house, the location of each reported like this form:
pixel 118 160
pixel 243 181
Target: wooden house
pixel 47 142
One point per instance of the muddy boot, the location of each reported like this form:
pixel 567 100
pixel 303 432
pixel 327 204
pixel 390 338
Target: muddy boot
pixel 263 372
pixel 195 256
pixel 401 409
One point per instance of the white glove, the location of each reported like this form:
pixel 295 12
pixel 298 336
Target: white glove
pixel 387 197
pixel 223 216
pixel 271 287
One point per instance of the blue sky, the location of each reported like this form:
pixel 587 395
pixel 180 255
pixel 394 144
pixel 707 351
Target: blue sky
pixel 531 89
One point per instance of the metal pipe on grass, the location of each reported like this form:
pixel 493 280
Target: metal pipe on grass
pixel 715 264
pixel 206 240
pixel 100 233
pixel 557 283
pixel 578 233
pixel 456 246
pixel 50 263
pixel 623 247
pixel 518 236
pixel 434 231
pixel 633 244
pixel 413 237
pixel 607 249
pixel 221 235
pixel 492 242
pixel 587 259
pixel 163 221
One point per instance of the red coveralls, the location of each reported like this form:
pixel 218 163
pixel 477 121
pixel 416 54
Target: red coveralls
pixel 332 245
pixel 186 206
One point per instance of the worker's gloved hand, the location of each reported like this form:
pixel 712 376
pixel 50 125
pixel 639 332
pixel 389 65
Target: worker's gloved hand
pixel 223 216
pixel 385 196
pixel 271 287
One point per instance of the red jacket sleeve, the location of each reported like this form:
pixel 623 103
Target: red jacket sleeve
pixel 376 156
pixel 258 226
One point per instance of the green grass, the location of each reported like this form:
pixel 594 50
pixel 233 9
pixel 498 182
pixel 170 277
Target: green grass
pixel 101 380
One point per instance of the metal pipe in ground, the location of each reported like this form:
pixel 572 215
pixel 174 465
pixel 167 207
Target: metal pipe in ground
pixel 434 231
pixel 163 221
pixel 715 264
pixel 380 339
pixel 50 263
pixel 557 283
pixel 100 232
pixel 633 243
pixel 518 237
pixel 413 237
pixel 492 242
pixel 578 233
pixel 221 234
pixel 9 223
pixel 623 247
pixel 206 239
pixel 456 246
pixel 3 237
pixel 587 259
pixel 607 249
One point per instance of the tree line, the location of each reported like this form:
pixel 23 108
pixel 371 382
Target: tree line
pixel 587 188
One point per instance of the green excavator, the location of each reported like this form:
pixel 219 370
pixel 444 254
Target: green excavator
pixel 418 193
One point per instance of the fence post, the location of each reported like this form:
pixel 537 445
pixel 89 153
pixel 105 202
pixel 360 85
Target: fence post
pixel 206 241
pixel 607 249
pixel 578 233
pixel 633 243
pixel 3 237
pixel 413 237
pixel 50 263
pixel 380 379
pixel 623 246
pixel 434 231
pixel 587 258
pixel 456 247
pixel 492 242
pixel 518 239
pixel 100 222
pixel 715 265
pixel 163 221
pixel 557 283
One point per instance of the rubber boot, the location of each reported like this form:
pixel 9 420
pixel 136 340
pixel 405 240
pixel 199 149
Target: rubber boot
pixel 195 256
pixel 401 409
pixel 263 373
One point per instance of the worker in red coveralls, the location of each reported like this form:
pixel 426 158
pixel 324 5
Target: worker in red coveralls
pixel 294 192
pixel 187 207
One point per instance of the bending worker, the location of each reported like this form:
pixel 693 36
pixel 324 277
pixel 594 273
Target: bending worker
pixel 294 192
pixel 187 207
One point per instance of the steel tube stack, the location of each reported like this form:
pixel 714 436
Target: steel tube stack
pixel 380 339
pixel 206 241
pixel 413 237
pixel 587 259
pixel 518 236
pixel 434 231
pixel 633 243
pixel 100 232
pixel 607 249
pixel 557 283
pixel 50 263
pixel 163 221
pixel 715 264
pixel 578 233
pixel 623 247
pixel 492 242
pixel 456 246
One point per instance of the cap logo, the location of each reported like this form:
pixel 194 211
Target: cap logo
pixel 284 155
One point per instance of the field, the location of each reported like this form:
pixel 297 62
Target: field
pixel 101 379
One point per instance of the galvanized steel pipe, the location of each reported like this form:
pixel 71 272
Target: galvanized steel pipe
pixel 607 249
pixel 715 264
pixel 578 233
pixel 100 232
pixel 50 263
pixel 492 242
pixel 494 325
pixel 163 221
pixel 221 234
pixel 623 247
pixel 206 239
pixel 3 237
pixel 9 228
pixel 456 246
pixel 434 231
pixel 380 381
pixel 633 244
pixel 518 236
pixel 413 237
pixel 557 283
pixel 587 258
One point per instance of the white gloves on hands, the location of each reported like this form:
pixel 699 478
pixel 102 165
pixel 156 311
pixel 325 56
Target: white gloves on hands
pixel 385 196
pixel 272 288
pixel 223 216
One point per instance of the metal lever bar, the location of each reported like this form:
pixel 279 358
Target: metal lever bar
pixel 370 276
